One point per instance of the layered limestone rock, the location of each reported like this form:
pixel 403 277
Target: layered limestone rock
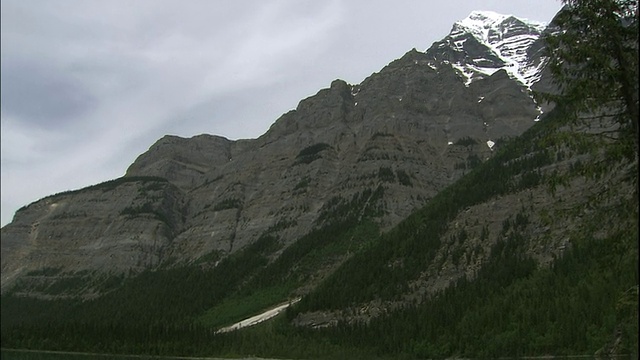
pixel 403 134
pixel 410 129
pixel 115 227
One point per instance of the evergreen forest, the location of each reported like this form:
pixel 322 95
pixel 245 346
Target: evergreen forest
pixel 534 252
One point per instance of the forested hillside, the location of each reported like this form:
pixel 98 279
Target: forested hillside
pixel 513 304
pixel 533 252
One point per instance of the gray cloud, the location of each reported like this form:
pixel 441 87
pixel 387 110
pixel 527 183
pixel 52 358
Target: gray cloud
pixel 41 95
pixel 89 85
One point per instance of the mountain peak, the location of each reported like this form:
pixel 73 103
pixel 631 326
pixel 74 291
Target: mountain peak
pixel 482 23
pixel 485 42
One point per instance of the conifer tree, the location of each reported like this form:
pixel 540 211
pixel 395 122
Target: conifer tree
pixel 593 56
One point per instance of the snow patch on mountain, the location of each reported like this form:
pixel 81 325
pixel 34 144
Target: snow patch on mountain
pixel 507 38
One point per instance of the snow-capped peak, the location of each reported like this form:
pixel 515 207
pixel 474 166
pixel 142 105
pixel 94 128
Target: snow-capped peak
pixel 482 23
pixel 479 23
pixel 506 39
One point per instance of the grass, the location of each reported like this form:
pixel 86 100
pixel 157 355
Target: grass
pixel 244 305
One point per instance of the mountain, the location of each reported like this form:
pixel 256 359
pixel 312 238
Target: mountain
pixel 404 133
pixel 423 213
pixel 486 42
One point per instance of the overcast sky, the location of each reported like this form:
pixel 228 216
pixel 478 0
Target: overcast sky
pixel 87 86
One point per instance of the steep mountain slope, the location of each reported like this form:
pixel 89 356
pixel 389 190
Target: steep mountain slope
pixel 403 134
pixel 540 194
pixel 531 252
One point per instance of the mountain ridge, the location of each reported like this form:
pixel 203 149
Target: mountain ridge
pixel 522 246
pixel 406 131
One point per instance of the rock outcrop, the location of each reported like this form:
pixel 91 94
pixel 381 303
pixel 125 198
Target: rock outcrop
pixel 404 133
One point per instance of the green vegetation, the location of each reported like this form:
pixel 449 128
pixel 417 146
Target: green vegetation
pixel 584 303
pixel 146 208
pixel 362 205
pixel 226 204
pixel 210 258
pixel 575 307
pixel 471 163
pixel 519 310
pixel 385 174
pixel 404 178
pixel 281 225
pixel 311 153
pixel 595 61
pixel 176 311
pixel 54 282
pixel 45 271
pixel 168 296
pixel 466 141
pixel 302 184
pixel 110 185
pixel 244 305
pixel 379 134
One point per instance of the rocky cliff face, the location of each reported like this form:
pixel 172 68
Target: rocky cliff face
pixel 403 134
